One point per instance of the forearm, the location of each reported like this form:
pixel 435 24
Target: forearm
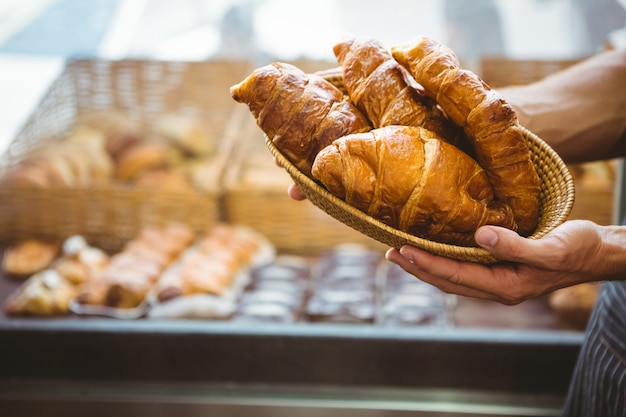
pixel 581 111
pixel 611 259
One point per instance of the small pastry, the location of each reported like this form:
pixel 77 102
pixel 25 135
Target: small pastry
pixel 140 158
pixel 44 294
pixel 187 133
pixel 29 256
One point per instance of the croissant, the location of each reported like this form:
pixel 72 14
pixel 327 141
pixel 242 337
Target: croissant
pixel 411 179
pixel 301 113
pixel 489 122
pixel 386 93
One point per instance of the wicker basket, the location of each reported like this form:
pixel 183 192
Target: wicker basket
pixel 110 215
pixel 499 71
pixel 556 200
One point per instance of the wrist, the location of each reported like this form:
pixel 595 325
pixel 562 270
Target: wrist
pixel 612 253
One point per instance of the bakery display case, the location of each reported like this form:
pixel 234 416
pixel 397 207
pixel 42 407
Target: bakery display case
pixel 143 171
pixel 190 367
pixel 322 323
pixel 319 323
pixel 340 333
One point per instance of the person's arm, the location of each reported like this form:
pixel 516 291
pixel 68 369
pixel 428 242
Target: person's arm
pixel 580 111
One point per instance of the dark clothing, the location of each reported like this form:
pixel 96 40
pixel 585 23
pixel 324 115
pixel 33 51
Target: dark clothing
pixel 598 387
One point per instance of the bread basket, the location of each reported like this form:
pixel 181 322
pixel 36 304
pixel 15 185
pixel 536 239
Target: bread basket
pixel 556 200
pixel 110 214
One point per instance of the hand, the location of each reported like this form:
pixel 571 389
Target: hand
pixel 572 253
pixel 294 192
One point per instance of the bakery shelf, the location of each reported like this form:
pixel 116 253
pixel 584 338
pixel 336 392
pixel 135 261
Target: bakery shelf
pixel 144 91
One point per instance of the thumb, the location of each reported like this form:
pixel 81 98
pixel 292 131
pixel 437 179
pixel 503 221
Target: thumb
pixel 506 244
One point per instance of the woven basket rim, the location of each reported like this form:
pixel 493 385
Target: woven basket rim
pixel 353 217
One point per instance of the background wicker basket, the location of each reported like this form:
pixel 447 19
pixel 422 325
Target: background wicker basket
pixel 255 194
pixel 500 71
pixel 109 215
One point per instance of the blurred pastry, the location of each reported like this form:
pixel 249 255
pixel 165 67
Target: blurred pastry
pixel 141 158
pixel 119 130
pixel 57 169
pixel 164 180
pixel 77 161
pixel 44 294
pixel 29 256
pixel 90 144
pixel 73 155
pixel 212 265
pixel 127 287
pixel 79 261
pixel 22 176
pixel 573 305
pixel 186 132
pixel 130 275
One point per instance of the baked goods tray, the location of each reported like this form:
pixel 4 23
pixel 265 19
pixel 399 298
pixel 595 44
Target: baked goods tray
pixel 143 90
pixel 190 354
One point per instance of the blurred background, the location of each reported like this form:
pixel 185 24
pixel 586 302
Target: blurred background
pixel 504 41
pixel 61 60
pixel 280 29
pixel 35 35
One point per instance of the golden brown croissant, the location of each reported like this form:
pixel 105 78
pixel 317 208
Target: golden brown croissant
pixel 386 93
pixel 412 180
pixel 300 113
pixel 488 120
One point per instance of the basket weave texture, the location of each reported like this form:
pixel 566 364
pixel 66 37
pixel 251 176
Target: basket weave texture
pixel 501 71
pixel 110 214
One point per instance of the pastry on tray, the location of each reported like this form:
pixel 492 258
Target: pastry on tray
pixel 28 256
pixel 130 274
pixel 210 275
pixel 45 293
pixel 50 291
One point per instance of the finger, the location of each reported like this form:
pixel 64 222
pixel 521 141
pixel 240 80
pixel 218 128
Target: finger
pixel 507 245
pixel 278 164
pixel 295 193
pixel 436 271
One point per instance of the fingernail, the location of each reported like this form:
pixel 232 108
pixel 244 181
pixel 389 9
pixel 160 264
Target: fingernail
pixel 404 252
pixel 486 238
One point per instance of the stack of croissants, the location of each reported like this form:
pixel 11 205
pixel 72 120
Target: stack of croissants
pixel 415 141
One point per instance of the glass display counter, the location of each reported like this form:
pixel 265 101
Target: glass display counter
pixel 68 366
